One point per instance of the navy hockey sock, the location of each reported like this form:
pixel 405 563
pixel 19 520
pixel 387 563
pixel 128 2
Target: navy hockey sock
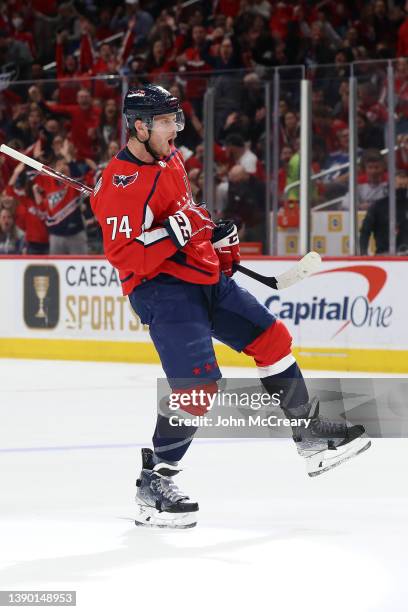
pixel 156 459
pixel 170 445
pixel 290 386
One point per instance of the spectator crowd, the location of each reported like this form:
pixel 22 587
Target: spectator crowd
pixel 64 65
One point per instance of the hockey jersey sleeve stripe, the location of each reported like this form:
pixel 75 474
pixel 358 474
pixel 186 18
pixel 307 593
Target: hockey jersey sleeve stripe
pixel 149 218
pixel 128 277
pixel 63 213
pixel 152 237
pixel 149 197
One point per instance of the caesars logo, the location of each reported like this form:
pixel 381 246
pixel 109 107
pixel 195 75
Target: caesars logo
pixel 355 310
pixel 41 297
pixel 92 300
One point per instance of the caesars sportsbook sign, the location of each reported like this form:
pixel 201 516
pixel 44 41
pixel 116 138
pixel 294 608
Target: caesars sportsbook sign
pixel 67 298
pixel 346 304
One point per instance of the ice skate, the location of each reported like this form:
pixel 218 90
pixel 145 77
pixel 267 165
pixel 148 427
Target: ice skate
pixel 160 502
pixel 326 444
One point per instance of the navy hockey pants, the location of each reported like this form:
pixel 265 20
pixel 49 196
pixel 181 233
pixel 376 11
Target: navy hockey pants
pixel 183 318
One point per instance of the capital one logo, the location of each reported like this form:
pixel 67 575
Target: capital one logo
pixel 358 310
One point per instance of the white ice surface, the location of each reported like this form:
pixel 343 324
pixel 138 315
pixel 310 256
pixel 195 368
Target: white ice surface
pixel 268 535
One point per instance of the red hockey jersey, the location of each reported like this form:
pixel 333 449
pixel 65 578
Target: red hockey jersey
pixel 131 201
pixel 29 216
pixel 62 206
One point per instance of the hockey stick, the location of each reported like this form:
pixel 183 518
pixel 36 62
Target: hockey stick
pixel 303 268
pixel 44 169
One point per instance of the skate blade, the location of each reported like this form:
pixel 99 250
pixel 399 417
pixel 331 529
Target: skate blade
pixel 150 517
pixel 323 462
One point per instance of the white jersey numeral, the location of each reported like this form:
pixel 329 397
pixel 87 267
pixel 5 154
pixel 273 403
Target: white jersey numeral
pixel 124 227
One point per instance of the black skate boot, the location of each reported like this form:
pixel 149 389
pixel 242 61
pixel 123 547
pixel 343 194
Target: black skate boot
pixel 325 444
pixel 161 503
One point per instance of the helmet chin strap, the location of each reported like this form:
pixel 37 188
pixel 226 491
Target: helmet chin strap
pixel 147 146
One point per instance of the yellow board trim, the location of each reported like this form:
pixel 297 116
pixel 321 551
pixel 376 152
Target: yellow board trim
pixel 353 360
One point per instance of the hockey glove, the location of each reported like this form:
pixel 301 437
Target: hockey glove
pixel 191 223
pixel 226 244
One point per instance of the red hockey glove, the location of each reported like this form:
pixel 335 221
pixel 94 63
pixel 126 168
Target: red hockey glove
pixel 226 244
pixel 190 223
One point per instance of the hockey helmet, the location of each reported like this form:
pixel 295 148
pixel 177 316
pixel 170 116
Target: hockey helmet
pixel 148 101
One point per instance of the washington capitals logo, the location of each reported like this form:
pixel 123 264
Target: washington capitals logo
pixel 123 180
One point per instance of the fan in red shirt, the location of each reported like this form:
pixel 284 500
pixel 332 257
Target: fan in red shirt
pixel 106 61
pixel 61 204
pixel 30 216
pixel 370 105
pixel 70 73
pixel 157 64
pixel 84 122
pixel 194 62
pixel 282 14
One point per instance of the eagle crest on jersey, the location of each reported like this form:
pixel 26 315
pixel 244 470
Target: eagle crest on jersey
pixel 55 198
pixel 123 180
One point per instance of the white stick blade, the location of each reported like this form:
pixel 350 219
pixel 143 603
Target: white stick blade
pixel 309 264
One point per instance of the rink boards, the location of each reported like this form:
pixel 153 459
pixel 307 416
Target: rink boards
pixel 351 315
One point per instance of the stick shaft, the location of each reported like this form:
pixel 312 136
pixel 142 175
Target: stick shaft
pixel 43 169
pixel 303 268
pixel 270 281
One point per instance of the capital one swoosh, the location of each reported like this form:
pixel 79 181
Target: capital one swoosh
pixel 375 276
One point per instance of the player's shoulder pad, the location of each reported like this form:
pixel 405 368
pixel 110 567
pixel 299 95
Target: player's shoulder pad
pixel 123 181
pixel 125 171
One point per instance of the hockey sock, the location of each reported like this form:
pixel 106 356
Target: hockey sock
pixel 156 459
pixel 290 386
pixel 170 445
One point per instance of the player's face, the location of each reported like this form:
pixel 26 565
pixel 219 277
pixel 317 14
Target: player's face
pixel 163 134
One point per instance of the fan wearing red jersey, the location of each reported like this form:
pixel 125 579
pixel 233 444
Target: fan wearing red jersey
pixel 32 217
pixel 176 266
pixel 61 204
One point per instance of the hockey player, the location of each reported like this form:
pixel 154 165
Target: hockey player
pixel 176 265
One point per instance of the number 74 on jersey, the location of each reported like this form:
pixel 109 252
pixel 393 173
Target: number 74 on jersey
pixel 119 227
